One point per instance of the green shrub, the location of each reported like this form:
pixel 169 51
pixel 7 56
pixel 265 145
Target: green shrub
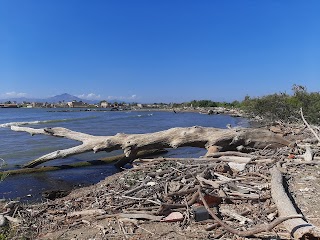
pixel 282 106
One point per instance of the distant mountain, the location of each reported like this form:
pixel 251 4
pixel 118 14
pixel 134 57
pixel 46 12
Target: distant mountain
pixel 65 97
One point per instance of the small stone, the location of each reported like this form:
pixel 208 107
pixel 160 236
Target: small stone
pixel 174 186
pixel 174 217
pixel 237 166
pixel 3 220
pixel 151 183
pixel 200 213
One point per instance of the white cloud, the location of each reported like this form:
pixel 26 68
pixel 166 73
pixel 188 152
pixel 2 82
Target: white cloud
pixel 13 95
pixel 123 98
pixel 90 96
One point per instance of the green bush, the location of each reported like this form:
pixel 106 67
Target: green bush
pixel 285 107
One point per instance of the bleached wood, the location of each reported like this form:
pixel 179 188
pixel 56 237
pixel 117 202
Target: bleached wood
pixel 308 125
pixel 131 144
pixel 298 228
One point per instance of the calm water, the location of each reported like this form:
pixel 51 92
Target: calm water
pixel 17 148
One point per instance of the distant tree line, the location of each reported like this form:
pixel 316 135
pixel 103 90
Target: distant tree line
pixel 278 106
pixel 283 106
pixel 207 103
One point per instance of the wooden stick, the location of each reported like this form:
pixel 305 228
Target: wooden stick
pixel 246 233
pixel 298 228
pixel 307 124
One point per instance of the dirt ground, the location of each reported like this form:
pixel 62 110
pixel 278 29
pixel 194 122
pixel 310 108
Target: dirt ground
pixel 304 186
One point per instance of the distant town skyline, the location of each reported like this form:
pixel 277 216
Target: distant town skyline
pixel 158 51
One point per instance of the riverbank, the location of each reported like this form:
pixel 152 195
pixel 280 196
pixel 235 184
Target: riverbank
pixel 234 112
pixel 159 198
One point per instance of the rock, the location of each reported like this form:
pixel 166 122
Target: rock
pixel 53 194
pixel 213 149
pixel 13 220
pixel 3 220
pixel 173 217
pixel 210 112
pixel 200 213
pixel 237 166
pixel 151 183
pixel 174 186
pixel 275 129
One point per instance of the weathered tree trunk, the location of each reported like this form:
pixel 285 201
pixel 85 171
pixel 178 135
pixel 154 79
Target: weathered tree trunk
pixel 298 228
pixel 131 144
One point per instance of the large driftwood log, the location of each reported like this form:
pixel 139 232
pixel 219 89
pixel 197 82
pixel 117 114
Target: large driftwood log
pixel 298 228
pixel 131 144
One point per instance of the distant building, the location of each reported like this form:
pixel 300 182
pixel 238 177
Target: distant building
pixel 36 104
pixel 8 105
pixel 139 105
pixel 75 104
pixel 104 104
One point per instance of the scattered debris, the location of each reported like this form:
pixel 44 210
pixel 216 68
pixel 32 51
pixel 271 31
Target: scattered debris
pixel 217 196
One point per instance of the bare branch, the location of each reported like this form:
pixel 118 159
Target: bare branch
pixel 246 233
pixel 307 124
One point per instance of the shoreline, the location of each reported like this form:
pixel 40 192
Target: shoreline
pixel 16 169
pixel 120 196
pixel 201 110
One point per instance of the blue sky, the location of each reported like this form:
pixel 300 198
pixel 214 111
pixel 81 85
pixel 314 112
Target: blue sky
pixel 158 50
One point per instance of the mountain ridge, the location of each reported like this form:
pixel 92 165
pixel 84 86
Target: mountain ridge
pixel 65 97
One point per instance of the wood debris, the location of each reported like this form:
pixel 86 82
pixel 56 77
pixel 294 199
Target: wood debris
pixel 240 199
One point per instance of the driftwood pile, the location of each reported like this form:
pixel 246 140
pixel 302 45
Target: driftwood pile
pixel 221 195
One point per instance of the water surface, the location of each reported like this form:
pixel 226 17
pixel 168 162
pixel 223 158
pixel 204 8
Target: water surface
pixel 17 148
